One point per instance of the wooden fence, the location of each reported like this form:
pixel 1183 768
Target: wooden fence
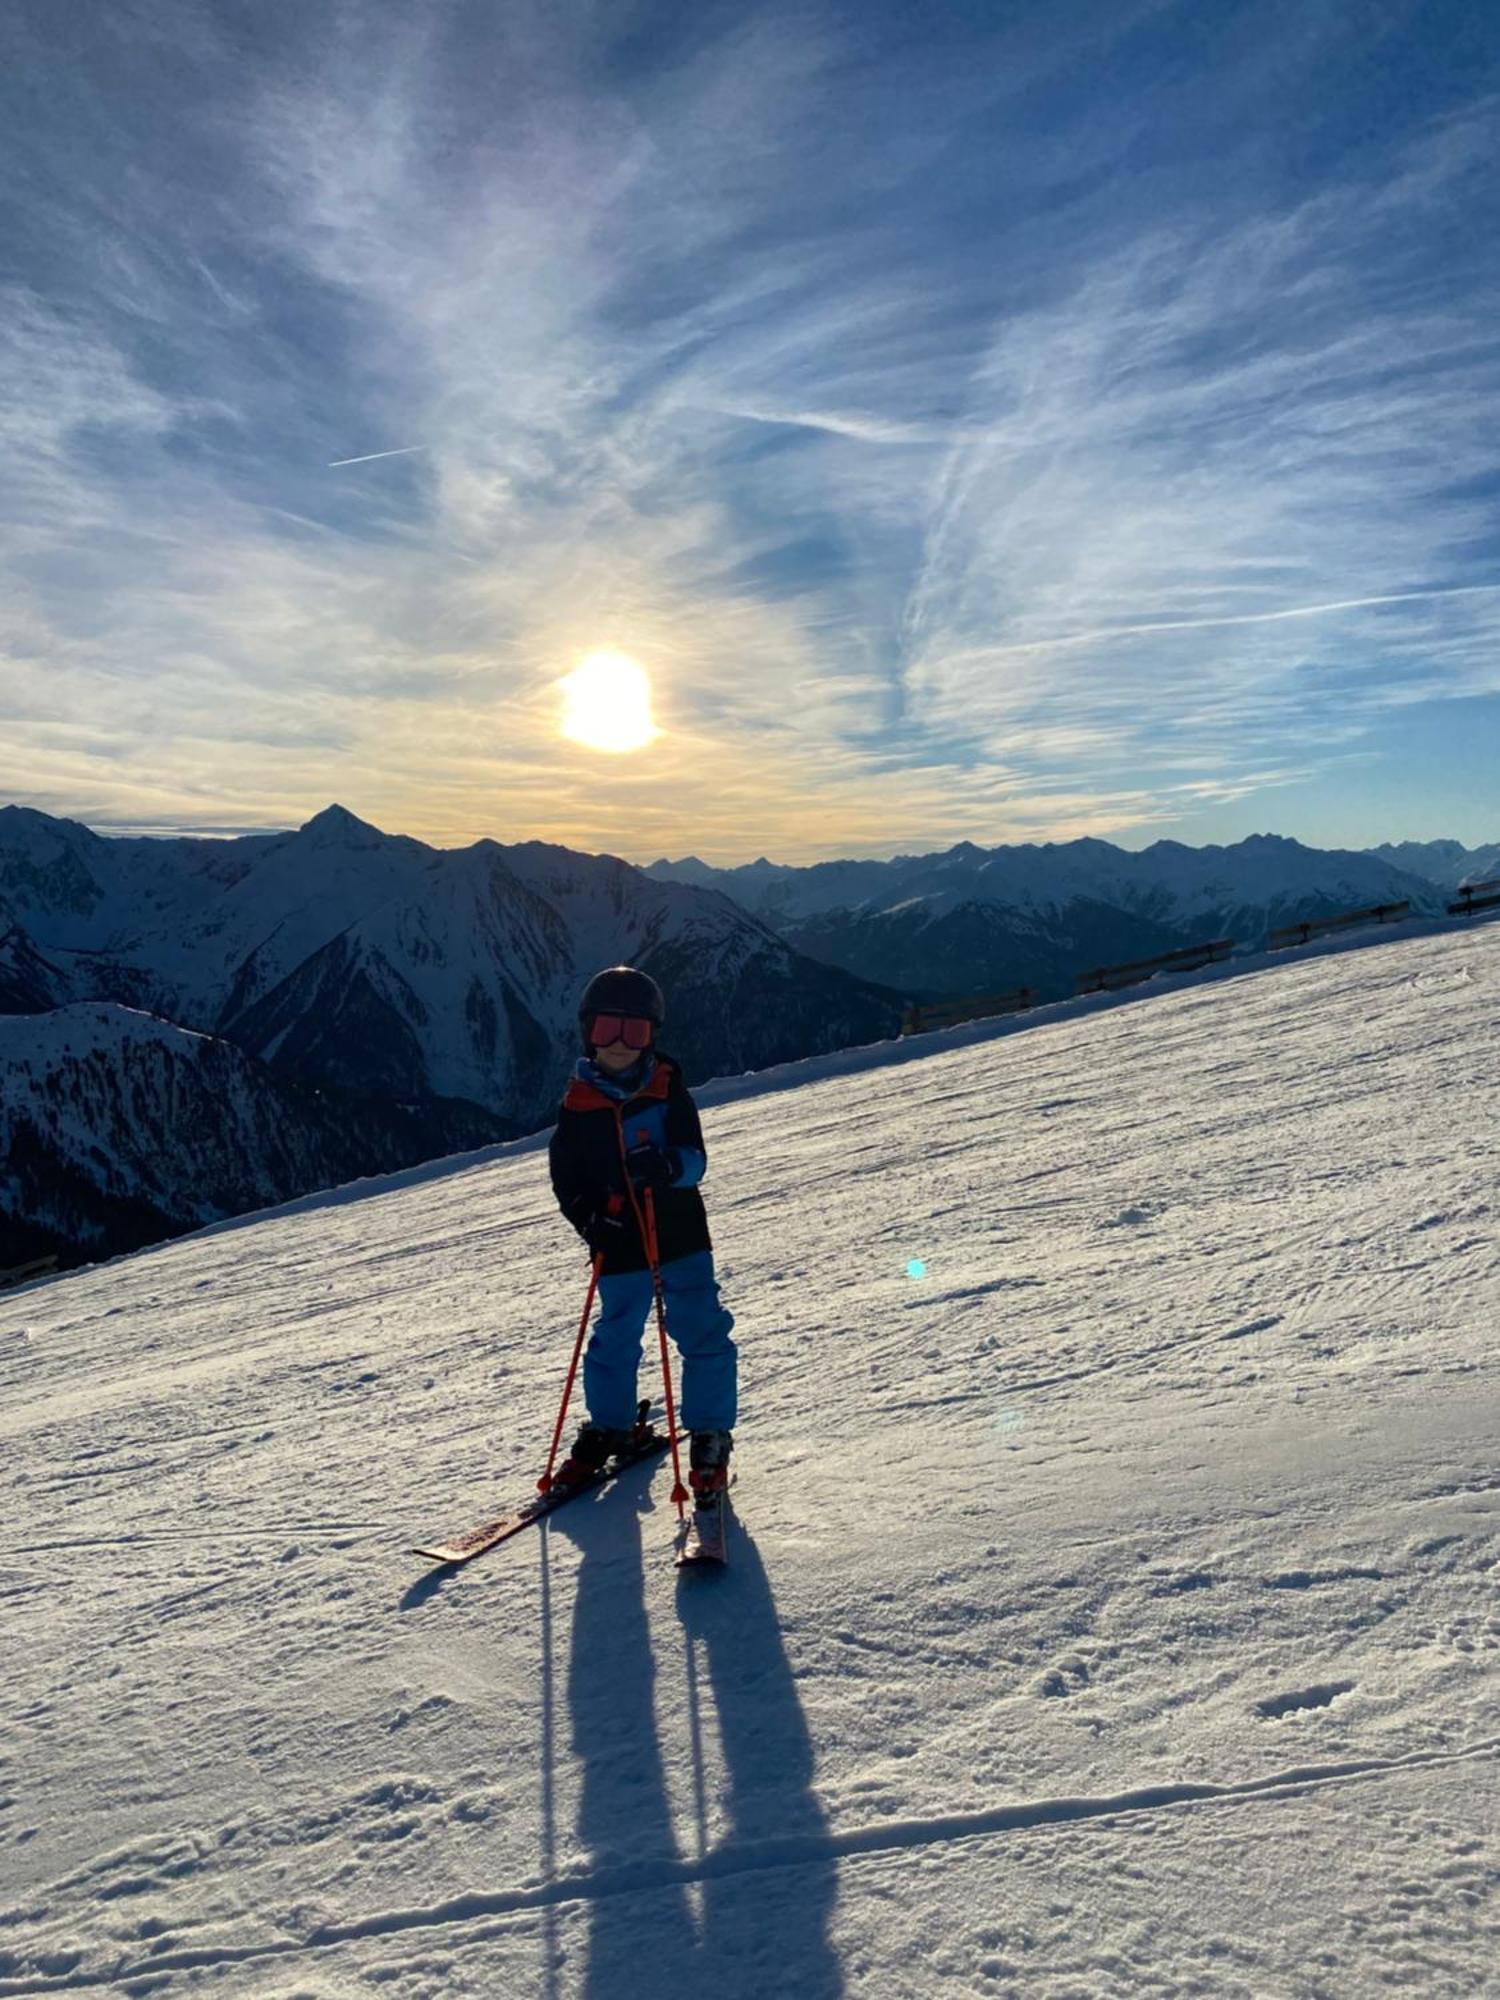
pixel 1191 958
pixel 978 1007
pixel 1380 913
pixel 918 1020
pixel 1476 896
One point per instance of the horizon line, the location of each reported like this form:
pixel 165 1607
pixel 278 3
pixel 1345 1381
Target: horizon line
pixel 106 830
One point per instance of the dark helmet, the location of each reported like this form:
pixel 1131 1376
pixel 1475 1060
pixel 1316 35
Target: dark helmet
pixel 620 989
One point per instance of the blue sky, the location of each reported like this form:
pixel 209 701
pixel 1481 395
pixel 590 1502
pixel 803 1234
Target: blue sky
pixel 982 422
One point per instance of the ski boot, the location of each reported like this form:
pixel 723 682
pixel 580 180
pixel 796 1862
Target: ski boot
pixel 639 1438
pixel 591 1451
pixel 708 1465
pixel 708 1476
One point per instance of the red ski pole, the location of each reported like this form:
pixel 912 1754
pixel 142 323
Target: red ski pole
pixel 544 1484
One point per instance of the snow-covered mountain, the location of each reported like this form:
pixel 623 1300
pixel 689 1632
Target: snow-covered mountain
pixel 355 959
pixel 117 1129
pixel 1112 1608
pixel 975 917
pixel 429 996
pixel 361 961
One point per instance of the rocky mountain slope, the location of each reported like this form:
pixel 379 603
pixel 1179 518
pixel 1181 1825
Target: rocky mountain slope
pixel 118 1129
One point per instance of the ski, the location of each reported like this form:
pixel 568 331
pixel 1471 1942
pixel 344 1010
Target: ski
pixel 705 1545
pixel 489 1533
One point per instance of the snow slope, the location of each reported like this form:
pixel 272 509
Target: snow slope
pixel 1113 1608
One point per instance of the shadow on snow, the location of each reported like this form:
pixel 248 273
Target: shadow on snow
pixel 730 1934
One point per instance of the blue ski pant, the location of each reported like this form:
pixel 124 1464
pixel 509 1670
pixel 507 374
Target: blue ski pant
pixel 698 1322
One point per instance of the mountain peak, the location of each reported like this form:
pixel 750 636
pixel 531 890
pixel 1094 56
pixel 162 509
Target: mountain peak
pixel 336 826
pixel 19 823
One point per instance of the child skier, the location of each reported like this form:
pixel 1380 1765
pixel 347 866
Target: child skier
pixel 627 1125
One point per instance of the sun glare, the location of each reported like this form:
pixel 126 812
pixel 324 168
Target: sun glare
pixel 607 703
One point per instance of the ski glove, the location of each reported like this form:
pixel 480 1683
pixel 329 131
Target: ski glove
pixel 603 1231
pixel 652 1166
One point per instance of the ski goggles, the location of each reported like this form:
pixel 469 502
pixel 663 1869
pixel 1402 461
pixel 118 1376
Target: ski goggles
pixel 630 1029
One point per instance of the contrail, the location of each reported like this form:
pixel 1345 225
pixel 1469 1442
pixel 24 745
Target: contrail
pixel 1242 618
pixel 370 456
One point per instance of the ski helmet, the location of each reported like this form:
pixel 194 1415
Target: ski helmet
pixel 620 989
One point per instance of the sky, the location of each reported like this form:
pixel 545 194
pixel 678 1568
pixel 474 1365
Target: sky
pixel 976 422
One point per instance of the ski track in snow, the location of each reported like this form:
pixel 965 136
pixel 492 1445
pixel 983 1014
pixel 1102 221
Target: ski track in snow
pixel 1113 1608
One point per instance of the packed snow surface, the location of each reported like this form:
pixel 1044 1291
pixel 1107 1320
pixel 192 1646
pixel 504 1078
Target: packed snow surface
pixel 1112 1607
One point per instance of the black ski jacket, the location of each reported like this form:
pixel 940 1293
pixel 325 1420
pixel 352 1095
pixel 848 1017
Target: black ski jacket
pixel 595 1129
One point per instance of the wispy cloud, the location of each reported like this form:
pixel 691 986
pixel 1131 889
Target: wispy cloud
pixel 1197 433
pixel 948 484
pixel 369 457
pixel 1107 632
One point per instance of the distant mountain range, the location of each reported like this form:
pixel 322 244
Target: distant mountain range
pixel 1443 861
pixel 972 919
pixel 191 1027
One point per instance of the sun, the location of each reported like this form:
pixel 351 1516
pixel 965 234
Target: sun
pixel 607 703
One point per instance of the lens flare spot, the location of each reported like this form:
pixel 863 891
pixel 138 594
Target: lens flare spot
pixel 916 1268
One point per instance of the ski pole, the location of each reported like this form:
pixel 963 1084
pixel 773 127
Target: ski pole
pixel 646 1223
pixel 544 1484
pixel 679 1491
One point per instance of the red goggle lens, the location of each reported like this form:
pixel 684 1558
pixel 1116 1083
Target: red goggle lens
pixel 627 1028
